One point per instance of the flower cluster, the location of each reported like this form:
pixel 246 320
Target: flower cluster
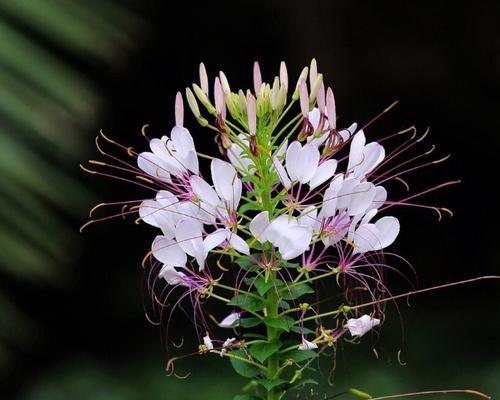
pixel 293 201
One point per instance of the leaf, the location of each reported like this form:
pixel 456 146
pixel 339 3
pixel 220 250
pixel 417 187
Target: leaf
pixel 246 263
pixel 262 286
pixel 284 323
pixel 262 351
pixel 247 302
pixel 271 384
pixel 245 397
pixel 249 322
pixel 291 265
pixel 255 335
pixel 300 329
pixel 296 291
pixel 241 367
pixel 249 206
pixel 302 382
pixel 298 355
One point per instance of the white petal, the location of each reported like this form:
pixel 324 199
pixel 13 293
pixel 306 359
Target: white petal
pixel 306 345
pixel 152 165
pixel 189 237
pixel 359 326
pixel 308 163
pixel 229 321
pixel 344 193
pixel 366 238
pixel 214 239
pixel 147 211
pixel 171 275
pixel 309 217
pixel 238 244
pixel 204 191
pixel 168 252
pixel 258 226
pixel 389 230
pixel 356 151
pixel 182 139
pixel 324 172
pixel 380 197
pixel 208 342
pixel 314 117
pixel 282 175
pixel 224 177
pixel 373 154
pixel 361 198
pixel 292 159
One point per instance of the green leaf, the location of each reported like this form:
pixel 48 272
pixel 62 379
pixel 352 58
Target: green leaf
pixel 262 351
pixel 271 384
pixel 245 397
pixel 241 367
pixel 249 322
pixel 298 355
pixel 300 329
pixel 285 322
pixel 284 305
pixel 247 302
pixel 246 263
pixel 249 206
pixel 294 292
pixel 262 286
pixel 302 382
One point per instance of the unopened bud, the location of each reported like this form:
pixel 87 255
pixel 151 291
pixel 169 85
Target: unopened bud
pixel 202 97
pixel 257 78
pixel 275 94
pixel 304 99
pixel 224 82
pixel 321 99
pixel 220 104
pixel 302 77
pixel 330 109
pixel 179 110
pixel 252 114
pixel 283 75
pixel 203 79
pixel 313 72
pixel 193 104
pixel 315 88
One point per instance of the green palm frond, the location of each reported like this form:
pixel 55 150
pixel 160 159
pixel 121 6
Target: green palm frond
pixel 46 107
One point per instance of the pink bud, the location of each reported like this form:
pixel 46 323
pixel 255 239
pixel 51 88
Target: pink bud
pixel 252 116
pixel 321 98
pixel 179 110
pixel 304 98
pixel 283 75
pixel 257 78
pixel 220 104
pixel 330 109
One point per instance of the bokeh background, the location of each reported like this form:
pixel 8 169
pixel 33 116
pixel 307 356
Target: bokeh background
pixel 71 307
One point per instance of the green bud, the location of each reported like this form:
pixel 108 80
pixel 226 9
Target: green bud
pixel 302 77
pixel 359 393
pixel 203 98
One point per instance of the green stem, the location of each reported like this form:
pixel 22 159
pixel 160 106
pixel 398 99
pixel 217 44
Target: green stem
pixel 272 335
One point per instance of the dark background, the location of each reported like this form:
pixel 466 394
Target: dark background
pixel 86 336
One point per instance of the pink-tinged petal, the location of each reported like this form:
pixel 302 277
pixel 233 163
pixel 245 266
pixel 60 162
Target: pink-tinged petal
pixel 330 108
pixel 306 345
pixel 283 74
pixel 282 175
pixel 230 320
pixel 165 152
pixel 181 139
pixel 330 200
pixel 361 198
pixel 389 230
pixel 257 78
pixel 295 242
pixel 179 110
pixel 220 104
pixel 307 164
pixel 369 216
pixel 314 117
pixel 366 238
pixel 147 211
pixel 224 177
pixel 191 161
pixel 360 326
pixel 373 154
pixel 324 172
pixel 313 72
pixel 215 238
pixel 356 150
pixel 168 252
pixel 304 98
pixel 204 191
pixel 259 225
pixel 380 197
pixel 171 275
pixel 238 244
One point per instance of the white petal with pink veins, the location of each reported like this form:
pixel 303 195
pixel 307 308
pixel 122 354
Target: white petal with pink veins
pixel 204 191
pixel 168 251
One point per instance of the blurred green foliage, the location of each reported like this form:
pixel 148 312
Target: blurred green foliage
pixel 47 106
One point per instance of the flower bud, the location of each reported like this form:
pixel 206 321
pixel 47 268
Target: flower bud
pixel 313 72
pixel 220 104
pixel 252 114
pixel 203 79
pixel 283 75
pixel 179 110
pixel 257 78
pixel 275 94
pixel 321 99
pixel 330 109
pixel 193 104
pixel 224 82
pixel 202 97
pixel 302 77
pixel 315 88
pixel 304 99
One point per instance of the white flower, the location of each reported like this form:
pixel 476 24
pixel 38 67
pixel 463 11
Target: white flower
pixel 374 236
pixel 208 342
pixel 363 158
pixel 229 342
pixel 306 345
pixel 303 165
pixel 238 158
pixel 359 326
pixel 230 320
pixel 291 237
pixel 172 276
